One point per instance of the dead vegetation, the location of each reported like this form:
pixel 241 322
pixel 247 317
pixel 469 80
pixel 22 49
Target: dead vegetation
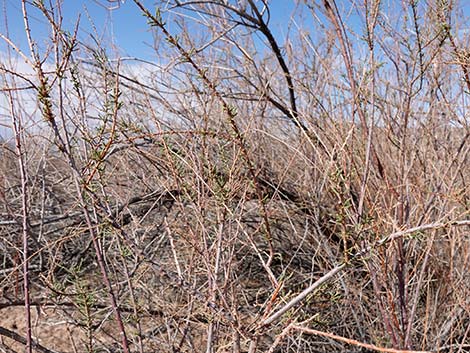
pixel 299 194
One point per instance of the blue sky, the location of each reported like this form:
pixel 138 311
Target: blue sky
pixel 124 24
pixel 127 28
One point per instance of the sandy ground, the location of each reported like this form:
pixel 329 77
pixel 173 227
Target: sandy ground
pixel 48 329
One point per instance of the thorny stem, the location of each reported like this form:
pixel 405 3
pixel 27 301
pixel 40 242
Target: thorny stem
pixel 18 130
pixel 231 115
pixel 335 18
pixel 330 274
pixel 48 114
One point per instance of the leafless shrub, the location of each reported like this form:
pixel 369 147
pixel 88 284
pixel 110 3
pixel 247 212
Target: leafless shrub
pixel 253 193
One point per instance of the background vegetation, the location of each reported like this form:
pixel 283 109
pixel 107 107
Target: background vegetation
pixel 245 191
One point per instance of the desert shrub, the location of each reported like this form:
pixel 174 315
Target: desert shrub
pixel 250 192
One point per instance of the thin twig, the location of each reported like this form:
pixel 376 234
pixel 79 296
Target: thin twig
pixel 18 338
pixel 352 341
pixel 330 274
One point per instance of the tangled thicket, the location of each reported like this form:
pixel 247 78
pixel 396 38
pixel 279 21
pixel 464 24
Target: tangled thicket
pixel 183 206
